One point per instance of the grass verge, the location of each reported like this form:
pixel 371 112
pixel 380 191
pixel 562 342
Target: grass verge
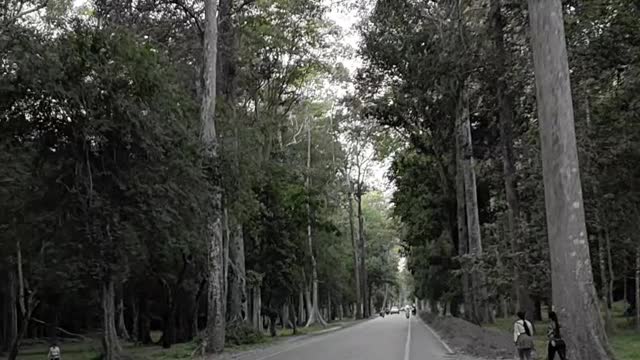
pixel 624 339
pixel 90 349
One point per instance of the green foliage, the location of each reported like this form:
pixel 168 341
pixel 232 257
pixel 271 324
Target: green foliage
pixel 108 163
pixel 243 334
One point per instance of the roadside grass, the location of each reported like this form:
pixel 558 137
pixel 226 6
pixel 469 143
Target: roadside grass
pixel 90 348
pixel 624 339
pixel 506 325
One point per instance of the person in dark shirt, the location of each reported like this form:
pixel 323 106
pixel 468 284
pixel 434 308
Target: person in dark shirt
pixel 556 343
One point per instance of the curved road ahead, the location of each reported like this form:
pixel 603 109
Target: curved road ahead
pixel 390 338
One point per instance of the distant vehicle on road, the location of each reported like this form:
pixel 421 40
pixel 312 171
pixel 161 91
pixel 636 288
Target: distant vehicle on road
pixel 394 310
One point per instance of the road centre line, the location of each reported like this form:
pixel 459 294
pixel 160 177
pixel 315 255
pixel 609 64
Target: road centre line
pixel 407 347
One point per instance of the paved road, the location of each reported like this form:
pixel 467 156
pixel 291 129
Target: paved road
pixel 390 338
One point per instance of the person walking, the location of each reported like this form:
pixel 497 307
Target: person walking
pixel 54 352
pixel 556 343
pixel 523 337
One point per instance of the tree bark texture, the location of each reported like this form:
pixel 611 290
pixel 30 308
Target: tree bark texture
pixel 329 317
pixel 122 328
pixel 144 336
pixel 314 314
pixel 604 283
pixel 356 258
pixel 10 316
pixel 364 284
pixel 257 306
pixel 110 344
pixel 293 317
pixel 27 301
pixel 302 319
pixel 308 304
pixel 471 204
pixel 463 239
pixel 638 288
pixel 574 295
pixel 237 308
pixel 612 276
pixel 216 299
pixel 226 240
pixel 135 320
pixel 506 123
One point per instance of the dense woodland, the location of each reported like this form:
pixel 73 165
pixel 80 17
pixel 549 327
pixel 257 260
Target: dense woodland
pixel 108 192
pixel 454 84
pixel 203 169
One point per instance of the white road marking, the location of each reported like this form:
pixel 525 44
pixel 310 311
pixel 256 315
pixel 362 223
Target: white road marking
pixel 438 338
pixel 407 347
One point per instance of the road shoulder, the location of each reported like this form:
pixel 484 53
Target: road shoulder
pixel 469 341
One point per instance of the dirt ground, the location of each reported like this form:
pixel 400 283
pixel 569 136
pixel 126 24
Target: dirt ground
pixel 470 339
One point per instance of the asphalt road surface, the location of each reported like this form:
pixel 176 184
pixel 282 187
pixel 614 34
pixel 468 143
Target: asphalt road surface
pixel 391 338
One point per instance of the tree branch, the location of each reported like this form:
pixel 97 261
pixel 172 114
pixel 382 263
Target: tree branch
pixel 24 13
pixel 189 12
pixel 66 332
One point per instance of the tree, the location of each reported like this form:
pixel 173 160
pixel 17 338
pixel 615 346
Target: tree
pixel 505 114
pixel 216 296
pixel 314 311
pixel 478 292
pixel 574 297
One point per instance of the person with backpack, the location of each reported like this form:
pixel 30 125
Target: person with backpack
pixel 556 343
pixel 523 337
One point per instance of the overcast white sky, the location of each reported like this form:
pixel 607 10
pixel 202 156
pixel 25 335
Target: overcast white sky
pixel 347 19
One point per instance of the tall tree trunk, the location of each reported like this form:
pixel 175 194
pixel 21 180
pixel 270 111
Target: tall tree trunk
pixel 314 315
pixel 612 276
pixel 15 345
pixel 135 319
pixel 216 297
pixel 144 336
pixel 110 344
pixel 574 295
pixel 257 307
pixel 226 240
pixel 625 287
pixel 471 203
pixel 386 295
pixel 308 302
pixel 10 311
pixel 356 258
pixel 122 327
pixel 237 308
pixel 506 122
pixel 329 307
pixel 604 283
pixel 284 315
pixel 27 301
pixel 226 87
pixel 638 288
pixel 301 313
pixel 195 313
pixel 364 284
pixel 463 239
pixel 293 317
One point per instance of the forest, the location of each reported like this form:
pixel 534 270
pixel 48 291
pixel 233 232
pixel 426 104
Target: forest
pixel 207 173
